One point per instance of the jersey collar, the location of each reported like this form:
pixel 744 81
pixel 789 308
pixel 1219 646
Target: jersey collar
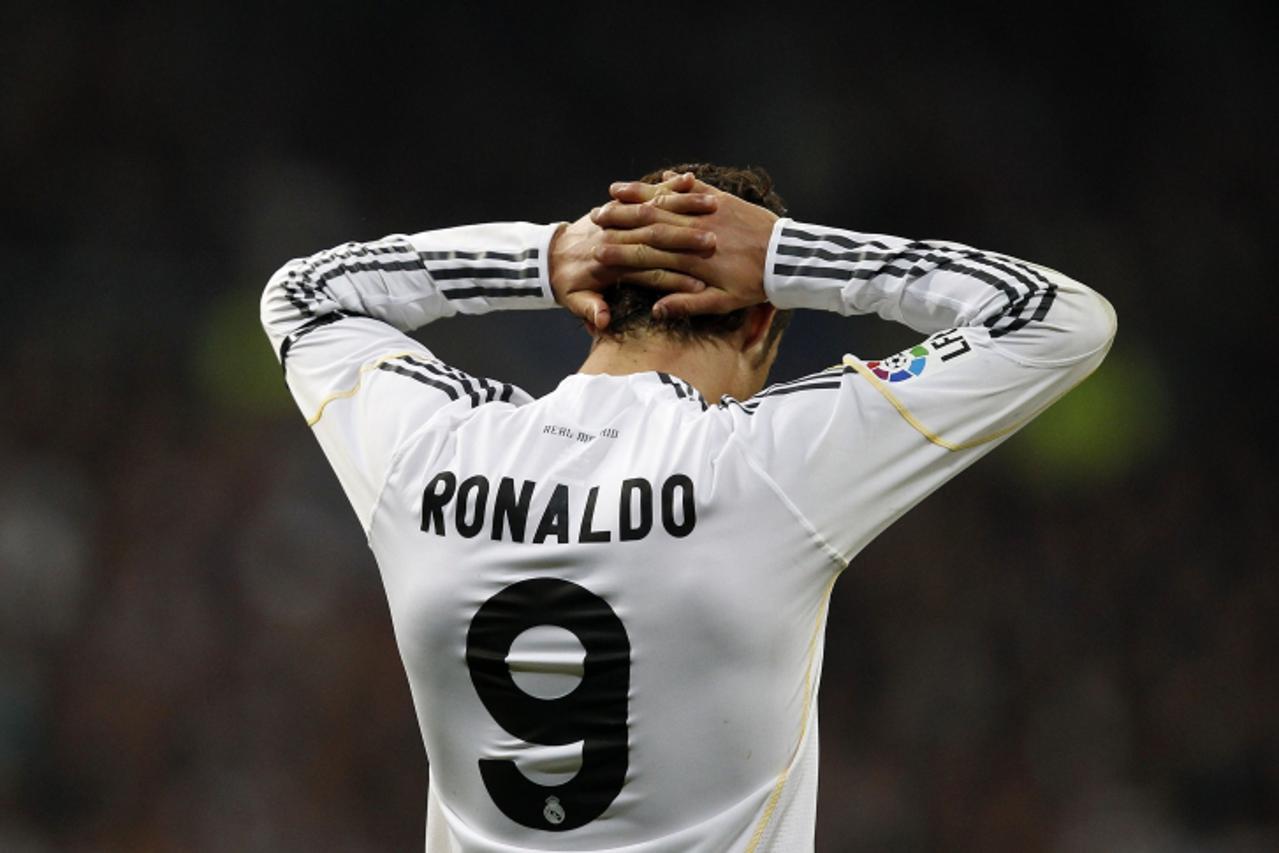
pixel 649 385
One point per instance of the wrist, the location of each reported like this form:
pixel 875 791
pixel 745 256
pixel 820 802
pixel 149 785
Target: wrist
pixel 555 261
pixel 775 280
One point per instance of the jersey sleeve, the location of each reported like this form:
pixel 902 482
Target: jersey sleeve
pixel 853 447
pixel 338 322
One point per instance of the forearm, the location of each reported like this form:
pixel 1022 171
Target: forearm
pixel 409 281
pixel 1031 313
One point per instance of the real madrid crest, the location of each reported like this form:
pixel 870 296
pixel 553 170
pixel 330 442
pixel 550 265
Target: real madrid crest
pixel 554 812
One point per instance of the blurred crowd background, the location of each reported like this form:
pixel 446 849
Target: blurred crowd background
pixel 1070 648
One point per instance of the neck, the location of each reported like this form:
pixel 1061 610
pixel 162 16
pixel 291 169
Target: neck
pixel 708 366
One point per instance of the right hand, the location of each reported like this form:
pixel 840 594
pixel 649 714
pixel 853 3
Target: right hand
pixel 734 274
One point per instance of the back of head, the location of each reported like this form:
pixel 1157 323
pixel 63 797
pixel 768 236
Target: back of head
pixel 631 306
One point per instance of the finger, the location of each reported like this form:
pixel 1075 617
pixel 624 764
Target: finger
pixel 615 214
pixel 712 300
pixel 669 280
pixel 590 306
pixel 694 185
pixel 638 191
pixel 685 202
pixel 633 192
pixel 644 257
pixel 676 182
pixel 664 236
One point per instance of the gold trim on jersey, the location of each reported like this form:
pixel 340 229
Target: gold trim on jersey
pixel 769 807
pixel 936 439
pixel 355 389
pixel 910 418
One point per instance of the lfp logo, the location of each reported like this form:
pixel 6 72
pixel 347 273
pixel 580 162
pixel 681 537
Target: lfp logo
pixel 901 366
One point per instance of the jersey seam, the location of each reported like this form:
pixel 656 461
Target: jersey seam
pixel 775 796
pixel 364 369
pixel 803 520
pixel 393 466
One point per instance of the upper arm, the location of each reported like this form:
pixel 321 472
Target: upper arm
pixel 336 318
pixel 855 446
pixel 366 390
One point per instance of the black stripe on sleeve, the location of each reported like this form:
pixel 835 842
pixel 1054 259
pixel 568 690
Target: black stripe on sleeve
pixel 941 262
pixel 837 239
pixel 822 272
pixel 453 273
pixel 487 390
pixel 480 290
pixel 311 286
pixel 306 329
pixel 986 277
pixel 456 383
pixel 792 389
pixel 855 256
pixel 391 367
pixel 525 255
pixel 446 374
pixel 293 291
pixel 325 262
pixel 830 379
pixel 832 371
pixel 365 266
pixel 1021 284
pixel 1018 318
pixel 495 390
pixel 312 277
pixel 359 250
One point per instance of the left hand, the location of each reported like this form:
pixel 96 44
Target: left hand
pixel 662 231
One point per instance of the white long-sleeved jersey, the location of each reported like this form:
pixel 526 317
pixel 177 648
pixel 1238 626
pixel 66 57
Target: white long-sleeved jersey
pixel 610 600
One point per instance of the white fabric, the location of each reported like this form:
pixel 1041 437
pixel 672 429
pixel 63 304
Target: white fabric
pixel 722 612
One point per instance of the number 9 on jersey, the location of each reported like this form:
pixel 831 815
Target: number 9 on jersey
pixel 594 713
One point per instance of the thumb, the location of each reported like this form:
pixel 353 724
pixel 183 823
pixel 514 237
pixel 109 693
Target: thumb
pixel 709 301
pixel 590 306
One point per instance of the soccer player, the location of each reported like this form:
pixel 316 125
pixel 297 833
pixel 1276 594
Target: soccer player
pixel 610 600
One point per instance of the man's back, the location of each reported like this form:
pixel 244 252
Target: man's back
pixel 624 499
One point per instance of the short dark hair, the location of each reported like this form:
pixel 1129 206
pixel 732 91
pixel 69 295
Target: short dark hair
pixel 631 306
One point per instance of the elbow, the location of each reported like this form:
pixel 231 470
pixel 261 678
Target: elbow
pixel 1103 324
pixel 1079 328
pixel 277 309
pixel 1092 330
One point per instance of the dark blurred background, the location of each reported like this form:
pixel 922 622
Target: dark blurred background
pixel 1071 648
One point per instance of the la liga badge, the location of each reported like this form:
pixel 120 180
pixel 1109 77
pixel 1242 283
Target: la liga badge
pixel 931 355
pixel 902 366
